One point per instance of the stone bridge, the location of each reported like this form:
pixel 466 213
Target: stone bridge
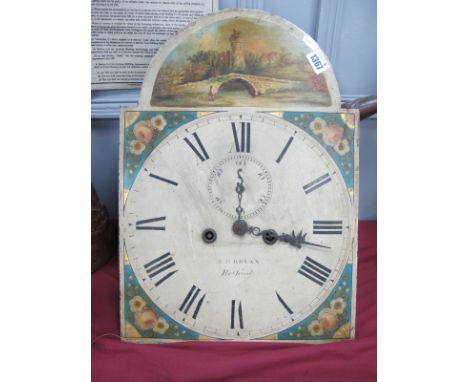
pixel 256 85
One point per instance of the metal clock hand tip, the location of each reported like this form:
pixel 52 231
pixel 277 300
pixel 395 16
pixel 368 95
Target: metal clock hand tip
pixel 298 240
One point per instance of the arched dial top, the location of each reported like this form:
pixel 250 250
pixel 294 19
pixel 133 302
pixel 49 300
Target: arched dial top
pixel 240 58
pixel 237 286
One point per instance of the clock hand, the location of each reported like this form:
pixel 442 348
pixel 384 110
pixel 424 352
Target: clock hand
pixel 298 240
pixel 240 226
pixel 239 190
pixel 270 237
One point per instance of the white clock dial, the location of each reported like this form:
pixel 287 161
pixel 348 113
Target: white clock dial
pixel 238 286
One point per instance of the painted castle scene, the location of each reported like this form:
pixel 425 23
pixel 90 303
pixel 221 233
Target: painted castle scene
pixel 239 62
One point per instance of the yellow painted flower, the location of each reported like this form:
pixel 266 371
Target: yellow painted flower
pixel 137 147
pixel 328 319
pixel 137 304
pixel 143 131
pixel 338 305
pixel 315 328
pixel 145 319
pixel 348 118
pixel 343 332
pixel 130 331
pixel 161 326
pixel 158 123
pixel 318 126
pixel 130 117
pixel 342 148
pixel 333 134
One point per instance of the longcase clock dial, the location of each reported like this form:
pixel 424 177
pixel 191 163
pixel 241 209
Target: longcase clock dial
pixel 216 174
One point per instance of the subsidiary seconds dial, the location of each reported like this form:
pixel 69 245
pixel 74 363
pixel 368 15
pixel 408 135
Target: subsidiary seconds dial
pixel 222 182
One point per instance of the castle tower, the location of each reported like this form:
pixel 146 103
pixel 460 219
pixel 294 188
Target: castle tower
pixel 237 52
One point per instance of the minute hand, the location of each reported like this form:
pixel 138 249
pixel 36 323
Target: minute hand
pixel 298 240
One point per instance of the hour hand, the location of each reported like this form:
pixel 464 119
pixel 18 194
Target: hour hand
pixel 239 190
pixel 298 240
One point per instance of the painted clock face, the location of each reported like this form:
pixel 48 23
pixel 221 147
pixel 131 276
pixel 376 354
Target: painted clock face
pixel 219 173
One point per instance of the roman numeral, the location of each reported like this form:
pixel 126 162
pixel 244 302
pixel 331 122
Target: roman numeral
pixel 314 271
pixel 243 145
pixel 328 227
pixel 285 306
pixel 319 182
pixel 285 148
pixel 203 155
pixel 190 299
pixel 239 314
pixel 163 179
pixel 141 224
pixel 159 265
